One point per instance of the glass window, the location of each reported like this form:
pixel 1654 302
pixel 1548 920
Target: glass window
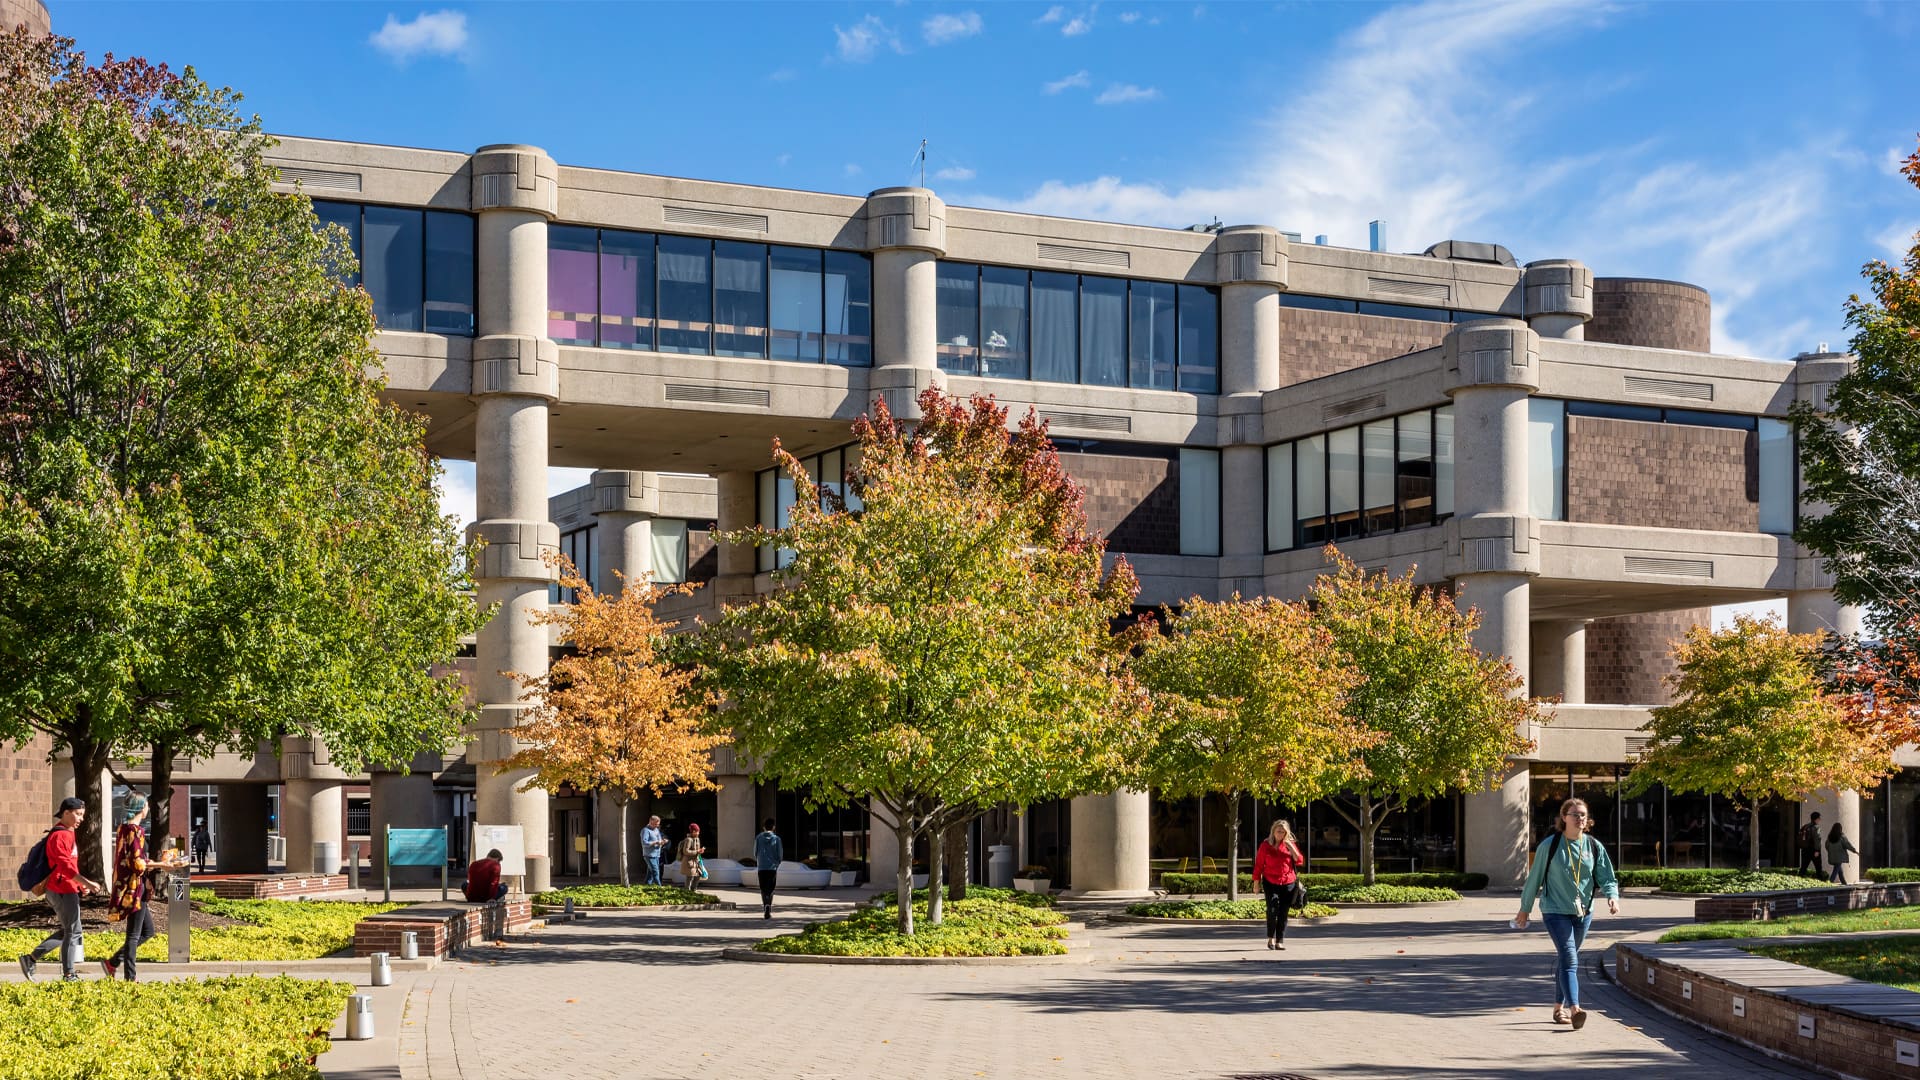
pixel 1404 311
pixel 1003 323
pixel 449 273
pixel 1413 472
pixel 782 512
pixel 764 514
pixel 796 304
pixel 1056 323
pixel 1376 476
pixel 347 216
pixel 1608 410
pixel 739 299
pixel 957 317
pixel 830 476
pixel 1546 459
pixel 1310 490
pixel 1709 419
pixel 1443 463
pixel 1280 497
pixel 1155 338
pixel 686 295
pixel 1199 502
pixel 1317 303
pixel 1776 476
pixel 668 543
pixel 852 471
pixel 849 309
pixel 1103 331
pixel 626 290
pixel 1199 340
pixel 1343 482
pixel 572 284
pixel 391 264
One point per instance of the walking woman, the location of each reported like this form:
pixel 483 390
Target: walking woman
pixel 1569 869
pixel 132 887
pixel 1837 848
pixel 1276 866
pixel 690 851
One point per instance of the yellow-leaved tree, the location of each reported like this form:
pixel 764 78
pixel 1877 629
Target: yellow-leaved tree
pixel 614 715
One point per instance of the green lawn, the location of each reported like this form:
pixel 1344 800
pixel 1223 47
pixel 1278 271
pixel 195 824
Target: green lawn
pixel 977 926
pixel 1840 922
pixel 1893 961
pixel 267 930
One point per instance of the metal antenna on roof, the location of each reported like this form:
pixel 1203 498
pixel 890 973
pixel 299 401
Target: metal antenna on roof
pixel 920 156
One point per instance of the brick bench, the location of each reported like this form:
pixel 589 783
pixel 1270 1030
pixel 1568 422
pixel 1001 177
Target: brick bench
pixel 1759 907
pixel 442 929
pixel 270 886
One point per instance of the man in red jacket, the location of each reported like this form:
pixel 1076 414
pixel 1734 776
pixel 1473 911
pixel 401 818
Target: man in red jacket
pixel 483 879
pixel 64 889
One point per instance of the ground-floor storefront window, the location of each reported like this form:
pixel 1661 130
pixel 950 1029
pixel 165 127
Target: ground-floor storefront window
pixel 1660 827
pixel 1190 835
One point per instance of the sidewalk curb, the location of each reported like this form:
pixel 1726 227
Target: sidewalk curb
pixel 906 961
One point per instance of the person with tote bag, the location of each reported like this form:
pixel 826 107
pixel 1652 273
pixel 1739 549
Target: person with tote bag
pixel 1569 869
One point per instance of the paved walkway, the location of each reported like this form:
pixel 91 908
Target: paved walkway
pixel 1398 993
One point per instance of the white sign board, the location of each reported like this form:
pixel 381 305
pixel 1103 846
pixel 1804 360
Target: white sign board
pixel 510 841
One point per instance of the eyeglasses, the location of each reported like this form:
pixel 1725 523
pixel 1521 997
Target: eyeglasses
pixel 1577 813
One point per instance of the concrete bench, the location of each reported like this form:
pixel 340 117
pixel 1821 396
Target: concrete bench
pixel 275 886
pixel 442 929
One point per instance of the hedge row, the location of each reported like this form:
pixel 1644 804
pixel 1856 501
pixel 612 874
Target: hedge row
pixel 624 896
pixel 1190 884
pixel 1722 880
pixel 1893 875
pixel 267 930
pixel 233 1028
pixel 1250 910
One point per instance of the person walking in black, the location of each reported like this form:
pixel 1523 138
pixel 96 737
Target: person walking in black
pixel 1810 841
pixel 202 843
pixel 1276 866
pixel 767 856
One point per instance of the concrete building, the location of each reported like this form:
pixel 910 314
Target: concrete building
pixel 1565 451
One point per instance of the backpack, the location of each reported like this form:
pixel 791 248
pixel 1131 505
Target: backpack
pixel 37 869
pixel 1809 837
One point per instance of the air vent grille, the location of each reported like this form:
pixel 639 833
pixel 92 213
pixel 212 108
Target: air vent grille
pixel 1660 567
pixel 1086 421
pixel 1424 290
pixel 714 219
pixel 1643 386
pixel 1637 744
pixel 319 178
pixel 1092 256
pixel 718 395
pixel 1351 406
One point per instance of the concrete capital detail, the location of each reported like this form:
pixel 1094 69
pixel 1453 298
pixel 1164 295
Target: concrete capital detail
pixel 515 550
pixel 512 177
pixel 1558 287
pixel 1250 255
pixel 516 364
pixel 307 759
pixel 1815 374
pixel 492 733
pixel 1490 353
pixel 1492 544
pixel 906 217
pixel 624 491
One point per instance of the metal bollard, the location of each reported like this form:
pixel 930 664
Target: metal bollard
pixel 382 974
pixel 409 945
pixel 566 909
pixel 360 1016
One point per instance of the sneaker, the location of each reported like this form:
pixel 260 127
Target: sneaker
pixel 110 968
pixel 71 976
pixel 27 965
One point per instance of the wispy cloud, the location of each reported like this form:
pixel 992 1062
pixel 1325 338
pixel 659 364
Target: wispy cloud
pixel 944 28
pixel 1079 24
pixel 439 33
pixel 782 75
pixel 850 169
pixel 863 40
pixel 458 497
pixel 1071 24
pixel 1126 94
pixel 955 172
pixel 1897 239
pixel 1077 80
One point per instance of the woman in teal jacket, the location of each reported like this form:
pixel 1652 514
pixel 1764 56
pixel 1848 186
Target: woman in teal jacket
pixel 1572 868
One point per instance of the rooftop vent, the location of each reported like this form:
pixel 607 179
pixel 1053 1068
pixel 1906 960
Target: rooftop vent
pixel 1376 236
pixel 1472 251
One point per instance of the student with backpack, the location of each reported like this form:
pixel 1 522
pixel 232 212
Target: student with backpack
pixel 63 885
pixel 1569 869
pixel 1810 846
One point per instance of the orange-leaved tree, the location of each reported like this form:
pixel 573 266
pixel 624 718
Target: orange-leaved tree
pixel 1879 679
pixel 614 715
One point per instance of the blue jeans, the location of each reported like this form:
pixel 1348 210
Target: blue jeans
pixel 1568 932
pixel 653 869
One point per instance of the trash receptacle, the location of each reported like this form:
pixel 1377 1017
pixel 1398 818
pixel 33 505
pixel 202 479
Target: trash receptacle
pixel 326 856
pixel 1000 866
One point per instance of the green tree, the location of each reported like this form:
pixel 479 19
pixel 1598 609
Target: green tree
pixel 1861 457
pixel 1250 696
pixel 1446 717
pixel 948 647
pixel 212 530
pixel 1752 720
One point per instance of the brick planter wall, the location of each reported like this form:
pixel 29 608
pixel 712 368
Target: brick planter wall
pixel 441 928
pixel 1759 907
pixel 268 886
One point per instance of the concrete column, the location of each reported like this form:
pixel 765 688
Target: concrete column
pixel 907 233
pixel 1109 846
pixel 883 850
pixel 1496 824
pixel 606 837
pixel 734 824
pixel 624 505
pixel 401 801
pixel 1843 807
pixel 312 812
pixel 1250 263
pixel 1817 611
pixel 1558 297
pixel 1559 660
pixel 241 847
pixel 738 509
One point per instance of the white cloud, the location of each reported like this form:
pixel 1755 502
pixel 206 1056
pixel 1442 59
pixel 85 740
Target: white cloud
pixel 1897 239
pixel 782 160
pixel 943 28
pixel 955 172
pixel 1077 80
pixel 782 75
pixel 440 33
pixel 1054 14
pixel 1130 17
pixel 1079 24
pixel 851 169
pixel 457 497
pixel 865 40
pixel 1126 94
pixel 1895 159
pixel 1070 25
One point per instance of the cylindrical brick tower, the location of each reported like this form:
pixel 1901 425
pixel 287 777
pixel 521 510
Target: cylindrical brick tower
pixel 1652 314
pixel 29 13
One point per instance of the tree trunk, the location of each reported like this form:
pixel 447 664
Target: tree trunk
pixel 958 872
pixel 1753 836
pixel 1233 846
pixel 626 878
pixel 936 867
pixel 160 800
pixel 89 759
pixel 1369 827
pixel 903 873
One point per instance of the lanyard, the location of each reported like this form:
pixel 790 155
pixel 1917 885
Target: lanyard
pixel 1573 867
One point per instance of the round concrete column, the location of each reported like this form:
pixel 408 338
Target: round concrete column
pixel 738 509
pixel 734 825
pixel 312 812
pixel 1559 660
pixel 1817 611
pixel 1109 857
pixel 1250 265
pixel 515 380
pixel 907 233
pixel 1843 807
pixel 624 504
pixel 1558 298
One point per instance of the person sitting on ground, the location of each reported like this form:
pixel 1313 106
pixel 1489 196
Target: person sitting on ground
pixel 483 879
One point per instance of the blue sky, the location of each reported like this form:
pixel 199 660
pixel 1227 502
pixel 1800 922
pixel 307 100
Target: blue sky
pixel 1747 148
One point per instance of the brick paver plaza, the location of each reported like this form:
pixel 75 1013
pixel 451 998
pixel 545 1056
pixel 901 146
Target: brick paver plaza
pixel 1432 992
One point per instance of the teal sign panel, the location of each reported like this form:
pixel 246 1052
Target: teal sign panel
pixel 416 847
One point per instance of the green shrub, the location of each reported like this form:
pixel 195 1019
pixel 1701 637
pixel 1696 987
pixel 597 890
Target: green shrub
pixel 979 892
pixel 1190 884
pixel 1251 910
pixel 1672 880
pixel 1742 881
pixel 267 930
pixel 1381 894
pixel 976 926
pixel 624 896
pixel 1894 875
pixel 232 1028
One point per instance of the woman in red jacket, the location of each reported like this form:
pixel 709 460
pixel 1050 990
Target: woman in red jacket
pixel 1276 866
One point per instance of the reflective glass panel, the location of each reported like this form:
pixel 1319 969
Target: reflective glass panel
pixel 1376 476
pixel 1776 476
pixel 449 273
pixel 1546 459
pixel 1280 497
pixel 1199 478
pixel 668 542
pixel 572 284
pixel 391 263
pixel 1003 323
pixel 1154 342
pixel 1056 322
pixel 796 312
pixel 686 294
pixel 347 216
pixel 849 309
pixel 1199 340
pixel 1443 463
pixel 739 299
pixel 1413 472
pixel 1343 482
pixel 957 317
pixel 1103 331
pixel 626 290
pixel 1310 490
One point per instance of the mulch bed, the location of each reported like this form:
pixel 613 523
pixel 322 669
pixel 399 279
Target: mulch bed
pixel 36 915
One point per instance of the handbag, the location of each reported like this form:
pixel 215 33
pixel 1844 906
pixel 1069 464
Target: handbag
pixel 700 866
pixel 1299 897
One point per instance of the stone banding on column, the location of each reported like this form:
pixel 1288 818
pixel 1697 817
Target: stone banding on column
pixel 518 365
pixel 515 550
pixel 510 176
pixel 1250 255
pixel 1492 544
pixel 493 732
pixel 624 491
pixel 906 217
pixel 1490 353
pixel 308 759
pixel 1562 287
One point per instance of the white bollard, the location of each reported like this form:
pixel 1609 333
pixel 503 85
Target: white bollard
pixel 360 1017
pixel 409 945
pixel 566 910
pixel 382 974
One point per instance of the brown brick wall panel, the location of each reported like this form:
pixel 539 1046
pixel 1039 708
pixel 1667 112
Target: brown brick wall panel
pixel 1318 343
pixel 440 934
pixel 1133 501
pixel 1630 657
pixel 26 805
pixel 703 556
pixel 1651 314
pixel 1665 476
